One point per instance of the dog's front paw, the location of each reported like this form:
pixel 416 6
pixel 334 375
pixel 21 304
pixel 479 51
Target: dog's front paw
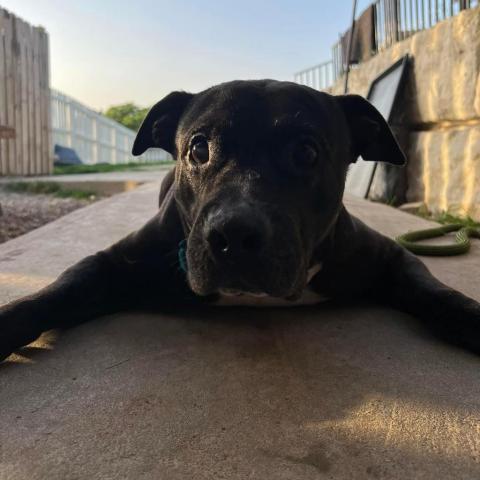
pixel 469 332
pixel 16 329
pixel 461 327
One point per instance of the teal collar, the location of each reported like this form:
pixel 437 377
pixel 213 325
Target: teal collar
pixel 182 255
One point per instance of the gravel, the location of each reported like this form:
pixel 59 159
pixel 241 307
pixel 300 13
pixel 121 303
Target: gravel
pixel 21 212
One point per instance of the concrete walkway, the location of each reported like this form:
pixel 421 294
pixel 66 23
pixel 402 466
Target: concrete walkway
pixel 307 393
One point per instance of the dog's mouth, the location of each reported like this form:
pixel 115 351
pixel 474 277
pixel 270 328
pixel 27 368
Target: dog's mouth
pixel 229 292
pixel 232 292
pixel 232 286
pixel 275 282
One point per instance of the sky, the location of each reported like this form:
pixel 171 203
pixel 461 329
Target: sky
pixel 106 52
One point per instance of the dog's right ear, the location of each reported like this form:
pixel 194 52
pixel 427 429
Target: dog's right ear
pixel 160 125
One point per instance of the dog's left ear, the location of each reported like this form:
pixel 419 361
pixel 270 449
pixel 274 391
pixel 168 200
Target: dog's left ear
pixel 370 133
pixel 160 125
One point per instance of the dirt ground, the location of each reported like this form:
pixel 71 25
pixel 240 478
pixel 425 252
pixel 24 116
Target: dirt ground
pixel 21 212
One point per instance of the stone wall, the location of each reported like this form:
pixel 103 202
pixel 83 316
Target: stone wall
pixel 440 110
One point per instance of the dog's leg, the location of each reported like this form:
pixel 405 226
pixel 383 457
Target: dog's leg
pixel 83 291
pixel 374 266
pixel 140 268
pixel 409 286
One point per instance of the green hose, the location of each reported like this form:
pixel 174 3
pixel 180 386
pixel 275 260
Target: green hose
pixel 462 240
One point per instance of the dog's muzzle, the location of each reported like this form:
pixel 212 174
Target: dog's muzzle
pixel 241 249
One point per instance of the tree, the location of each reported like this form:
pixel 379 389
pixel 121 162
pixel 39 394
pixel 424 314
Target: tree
pixel 128 114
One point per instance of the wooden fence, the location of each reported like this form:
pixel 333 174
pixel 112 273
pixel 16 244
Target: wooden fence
pixel 25 145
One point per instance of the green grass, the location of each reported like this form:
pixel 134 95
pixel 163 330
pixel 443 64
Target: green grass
pixel 106 167
pixel 48 188
pixel 448 217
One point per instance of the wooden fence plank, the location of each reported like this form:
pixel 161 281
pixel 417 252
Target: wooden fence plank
pixel 3 100
pixel 22 35
pixel 9 111
pixel 47 156
pixel 18 83
pixel 37 165
pixel 29 48
pixel 10 91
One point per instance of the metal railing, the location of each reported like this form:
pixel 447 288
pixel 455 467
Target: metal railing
pixel 94 137
pixel 320 76
pixel 395 20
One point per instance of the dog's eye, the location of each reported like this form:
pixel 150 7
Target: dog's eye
pixel 305 154
pixel 199 150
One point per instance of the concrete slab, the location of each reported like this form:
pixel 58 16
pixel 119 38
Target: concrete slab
pixel 328 392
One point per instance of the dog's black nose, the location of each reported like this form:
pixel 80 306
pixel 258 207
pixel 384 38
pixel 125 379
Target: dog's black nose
pixel 237 236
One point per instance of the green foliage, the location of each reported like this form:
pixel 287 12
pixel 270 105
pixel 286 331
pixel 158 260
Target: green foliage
pixel 107 167
pixel 448 217
pixel 128 114
pixel 48 188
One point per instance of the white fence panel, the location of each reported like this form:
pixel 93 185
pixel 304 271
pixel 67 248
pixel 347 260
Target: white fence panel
pixel 95 138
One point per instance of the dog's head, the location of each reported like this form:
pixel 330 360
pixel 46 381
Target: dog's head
pixel 260 175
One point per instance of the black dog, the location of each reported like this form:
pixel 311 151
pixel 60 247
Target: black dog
pixel 253 208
